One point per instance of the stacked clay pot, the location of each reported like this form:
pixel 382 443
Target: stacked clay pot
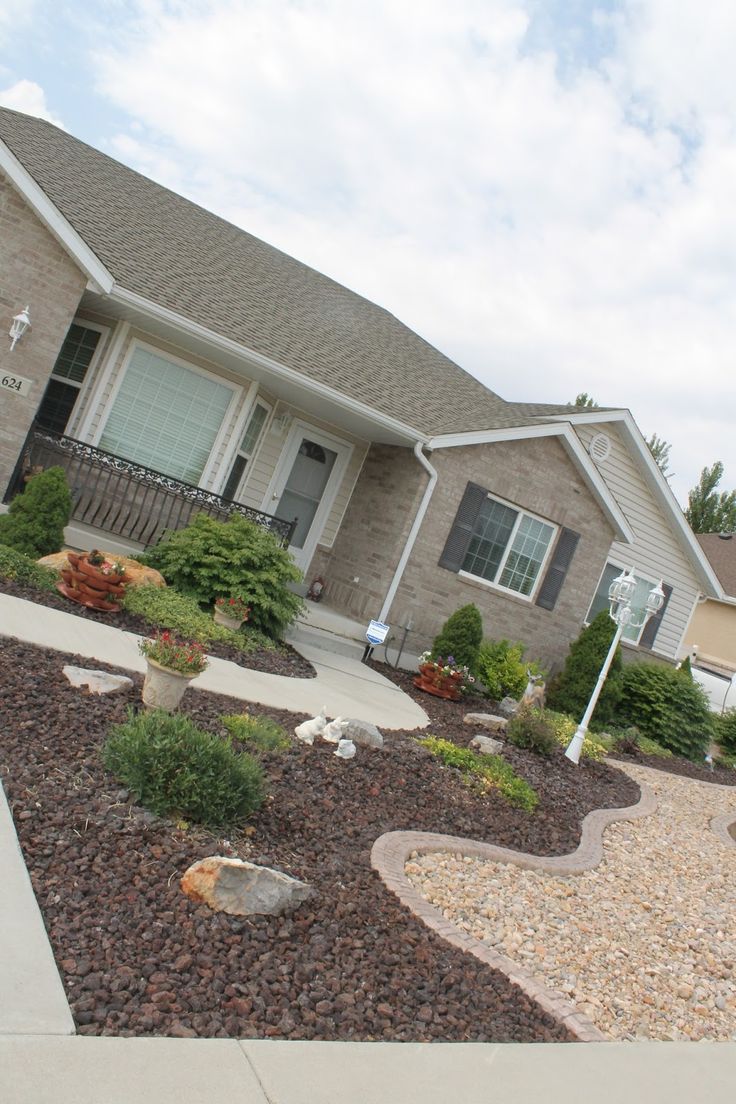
pixel 86 584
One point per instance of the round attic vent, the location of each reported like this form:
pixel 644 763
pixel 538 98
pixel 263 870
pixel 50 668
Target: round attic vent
pixel 600 447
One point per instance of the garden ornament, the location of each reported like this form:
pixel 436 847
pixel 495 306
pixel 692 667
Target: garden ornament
pixel 345 749
pixel 332 732
pixel 307 730
pixel 316 589
pixel 533 696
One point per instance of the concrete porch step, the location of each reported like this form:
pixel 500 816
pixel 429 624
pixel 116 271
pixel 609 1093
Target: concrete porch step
pixel 301 632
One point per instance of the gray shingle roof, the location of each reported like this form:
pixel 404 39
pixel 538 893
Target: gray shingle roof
pixel 182 257
pixel 721 553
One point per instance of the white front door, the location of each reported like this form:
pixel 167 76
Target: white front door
pixel 305 484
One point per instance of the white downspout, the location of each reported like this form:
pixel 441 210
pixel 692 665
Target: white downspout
pixel 398 573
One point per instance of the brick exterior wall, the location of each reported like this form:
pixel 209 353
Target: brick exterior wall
pixel 535 474
pixel 34 271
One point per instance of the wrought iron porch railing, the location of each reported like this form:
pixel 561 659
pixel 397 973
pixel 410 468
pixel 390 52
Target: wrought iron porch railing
pixel 124 498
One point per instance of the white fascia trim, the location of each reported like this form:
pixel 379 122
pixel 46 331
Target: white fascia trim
pixel 163 314
pixel 574 446
pixel 54 221
pixel 659 487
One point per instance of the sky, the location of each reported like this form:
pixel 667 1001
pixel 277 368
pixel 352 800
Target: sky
pixel 544 189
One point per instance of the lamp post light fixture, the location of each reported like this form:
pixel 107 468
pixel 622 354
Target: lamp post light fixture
pixel 18 327
pixel 620 596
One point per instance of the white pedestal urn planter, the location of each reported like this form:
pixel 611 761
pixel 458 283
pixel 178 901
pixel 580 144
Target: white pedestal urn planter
pixel 164 688
pixel 221 618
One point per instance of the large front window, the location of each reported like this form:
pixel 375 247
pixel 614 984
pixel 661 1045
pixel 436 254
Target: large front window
pixel 166 416
pixel 507 547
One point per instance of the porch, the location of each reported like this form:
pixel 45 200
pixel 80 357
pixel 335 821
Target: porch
pixel 118 498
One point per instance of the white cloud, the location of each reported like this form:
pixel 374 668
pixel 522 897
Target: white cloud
pixel 553 232
pixel 29 97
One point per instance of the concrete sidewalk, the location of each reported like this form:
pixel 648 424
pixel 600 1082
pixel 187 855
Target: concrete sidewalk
pixel 344 686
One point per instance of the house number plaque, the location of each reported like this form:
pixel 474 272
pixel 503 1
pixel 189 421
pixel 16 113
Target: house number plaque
pixel 17 385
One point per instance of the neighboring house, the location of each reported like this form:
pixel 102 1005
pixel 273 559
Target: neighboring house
pixel 712 630
pixel 177 363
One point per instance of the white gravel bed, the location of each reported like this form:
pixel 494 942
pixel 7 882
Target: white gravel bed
pixel 645 944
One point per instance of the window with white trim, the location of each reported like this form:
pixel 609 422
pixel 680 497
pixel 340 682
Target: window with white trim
pixel 166 415
pixel 507 547
pixel 67 377
pixel 246 449
pixel 600 601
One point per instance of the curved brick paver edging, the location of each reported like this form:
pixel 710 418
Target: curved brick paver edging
pixel 391 851
pixel 722 826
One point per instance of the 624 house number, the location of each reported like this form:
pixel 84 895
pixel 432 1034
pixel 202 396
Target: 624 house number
pixel 17 384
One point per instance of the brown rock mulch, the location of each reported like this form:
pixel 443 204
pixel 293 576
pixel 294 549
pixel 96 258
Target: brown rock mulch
pixel 138 958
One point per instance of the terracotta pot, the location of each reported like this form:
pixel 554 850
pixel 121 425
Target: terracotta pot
pixel 448 690
pixel 73 558
pixel 95 573
pixel 221 618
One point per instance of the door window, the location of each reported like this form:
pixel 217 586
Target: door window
pixel 305 486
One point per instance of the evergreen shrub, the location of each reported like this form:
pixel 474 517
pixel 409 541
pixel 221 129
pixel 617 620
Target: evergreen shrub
pixel 529 729
pixel 460 637
pixel 173 767
pixel 211 558
pixel 725 728
pixel 260 732
pixel 20 568
pixel 36 519
pixel 570 690
pixel 501 669
pixel 666 708
pixel 166 608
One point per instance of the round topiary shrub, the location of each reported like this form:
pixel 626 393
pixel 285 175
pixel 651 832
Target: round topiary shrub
pixel 570 690
pixel 501 669
pixel 36 519
pixel 211 558
pixel 667 708
pixel 173 767
pixel 460 637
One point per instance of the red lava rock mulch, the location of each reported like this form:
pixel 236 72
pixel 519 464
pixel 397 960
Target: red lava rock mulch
pixel 139 958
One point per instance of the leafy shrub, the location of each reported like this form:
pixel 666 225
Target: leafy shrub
pixel 491 770
pixel 686 669
pixel 211 558
pixel 570 691
pixel 501 670
pixel 565 727
pixel 171 766
pixel 263 733
pixel 461 637
pixel 529 729
pixel 22 569
pixel 36 519
pixel 666 708
pixel 725 729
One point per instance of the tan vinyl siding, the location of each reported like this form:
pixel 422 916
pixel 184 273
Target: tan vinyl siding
pixel 655 552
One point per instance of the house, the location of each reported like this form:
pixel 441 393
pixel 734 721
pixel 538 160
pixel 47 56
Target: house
pixel 176 363
pixel 711 634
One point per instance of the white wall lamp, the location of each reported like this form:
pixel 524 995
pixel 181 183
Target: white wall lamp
pixel 19 325
pixel 620 596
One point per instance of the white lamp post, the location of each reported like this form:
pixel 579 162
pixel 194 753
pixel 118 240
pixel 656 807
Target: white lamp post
pixel 620 595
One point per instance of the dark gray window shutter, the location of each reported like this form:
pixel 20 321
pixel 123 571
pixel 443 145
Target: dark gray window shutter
pixel 652 626
pixel 462 528
pixel 562 556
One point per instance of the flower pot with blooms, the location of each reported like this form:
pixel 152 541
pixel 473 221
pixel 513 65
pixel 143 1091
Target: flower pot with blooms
pixel 443 677
pixel 231 612
pixel 93 581
pixel 172 664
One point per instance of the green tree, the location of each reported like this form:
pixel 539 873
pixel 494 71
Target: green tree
pixel 585 400
pixel 710 511
pixel 461 637
pixel 35 521
pixel 660 450
pixel 570 691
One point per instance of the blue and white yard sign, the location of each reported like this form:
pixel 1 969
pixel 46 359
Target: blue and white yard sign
pixel 376 632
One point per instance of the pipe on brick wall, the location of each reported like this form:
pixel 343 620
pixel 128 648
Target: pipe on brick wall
pixel 398 573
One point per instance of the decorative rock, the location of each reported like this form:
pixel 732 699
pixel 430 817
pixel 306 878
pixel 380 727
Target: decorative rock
pixel 135 573
pixel 486 720
pixel 98 682
pixel 508 707
pixel 363 733
pixel 486 745
pixel 242 888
